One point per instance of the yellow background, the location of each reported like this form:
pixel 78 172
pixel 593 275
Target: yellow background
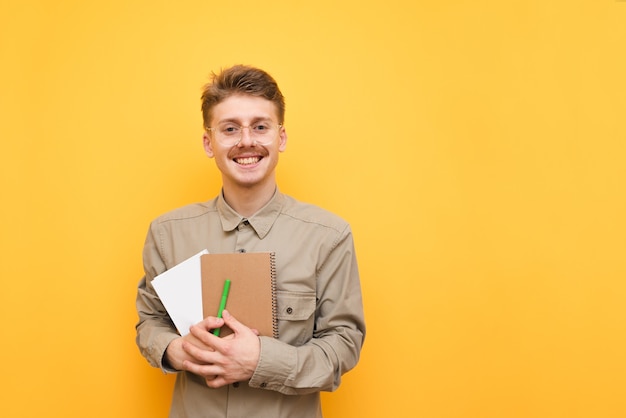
pixel 477 148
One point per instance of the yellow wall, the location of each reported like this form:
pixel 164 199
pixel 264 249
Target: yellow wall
pixel 477 148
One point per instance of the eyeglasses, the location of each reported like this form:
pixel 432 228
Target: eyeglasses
pixel 230 134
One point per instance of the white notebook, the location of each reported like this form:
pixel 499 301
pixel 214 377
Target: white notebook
pixel 180 290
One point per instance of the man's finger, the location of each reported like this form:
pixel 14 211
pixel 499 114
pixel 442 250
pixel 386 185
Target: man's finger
pixel 232 322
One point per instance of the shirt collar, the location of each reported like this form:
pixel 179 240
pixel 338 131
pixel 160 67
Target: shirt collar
pixel 261 221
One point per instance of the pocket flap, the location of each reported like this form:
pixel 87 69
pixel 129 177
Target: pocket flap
pixel 293 306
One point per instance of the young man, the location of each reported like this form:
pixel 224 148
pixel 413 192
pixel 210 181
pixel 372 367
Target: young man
pixel 320 313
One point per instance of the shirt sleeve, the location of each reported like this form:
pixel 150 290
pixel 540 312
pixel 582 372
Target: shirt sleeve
pixel 337 339
pixel 155 329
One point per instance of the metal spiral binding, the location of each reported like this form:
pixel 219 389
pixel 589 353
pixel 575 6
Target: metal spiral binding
pixel 274 296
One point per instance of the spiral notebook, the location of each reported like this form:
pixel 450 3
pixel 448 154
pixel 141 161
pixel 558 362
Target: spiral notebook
pixel 252 296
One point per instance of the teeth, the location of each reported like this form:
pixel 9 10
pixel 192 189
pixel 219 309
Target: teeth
pixel 247 160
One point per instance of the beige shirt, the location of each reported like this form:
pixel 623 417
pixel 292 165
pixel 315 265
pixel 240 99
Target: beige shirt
pixel 320 312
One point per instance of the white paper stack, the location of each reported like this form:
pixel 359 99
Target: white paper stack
pixel 180 290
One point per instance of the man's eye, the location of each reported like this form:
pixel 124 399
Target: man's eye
pixel 261 127
pixel 230 130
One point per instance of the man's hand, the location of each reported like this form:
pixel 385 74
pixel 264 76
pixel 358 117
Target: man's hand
pixel 175 355
pixel 221 361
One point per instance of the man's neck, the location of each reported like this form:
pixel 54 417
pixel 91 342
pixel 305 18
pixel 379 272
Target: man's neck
pixel 246 201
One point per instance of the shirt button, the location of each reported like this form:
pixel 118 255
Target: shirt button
pixel 263 385
pixel 290 310
pixel 236 385
pixel 241 250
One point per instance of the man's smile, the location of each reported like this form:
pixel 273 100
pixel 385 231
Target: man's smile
pixel 247 160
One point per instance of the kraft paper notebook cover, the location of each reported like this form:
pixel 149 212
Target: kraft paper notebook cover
pixel 252 296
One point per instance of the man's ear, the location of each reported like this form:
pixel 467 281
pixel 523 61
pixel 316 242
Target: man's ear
pixel 208 147
pixel 282 145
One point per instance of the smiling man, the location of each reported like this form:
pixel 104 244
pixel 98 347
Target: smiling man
pixel 321 326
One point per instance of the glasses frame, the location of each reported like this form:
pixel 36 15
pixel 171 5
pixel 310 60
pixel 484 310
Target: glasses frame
pixel 251 133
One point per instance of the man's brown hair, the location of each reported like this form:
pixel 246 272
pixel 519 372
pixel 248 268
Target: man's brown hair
pixel 240 79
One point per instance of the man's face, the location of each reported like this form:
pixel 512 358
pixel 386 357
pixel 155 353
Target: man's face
pixel 247 163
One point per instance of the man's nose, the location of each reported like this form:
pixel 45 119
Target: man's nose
pixel 246 136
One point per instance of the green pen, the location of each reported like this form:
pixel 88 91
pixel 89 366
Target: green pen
pixel 216 331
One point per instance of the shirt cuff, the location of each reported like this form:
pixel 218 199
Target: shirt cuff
pixel 158 351
pixel 277 363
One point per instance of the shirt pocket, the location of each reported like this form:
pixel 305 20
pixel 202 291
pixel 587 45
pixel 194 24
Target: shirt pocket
pixel 296 316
